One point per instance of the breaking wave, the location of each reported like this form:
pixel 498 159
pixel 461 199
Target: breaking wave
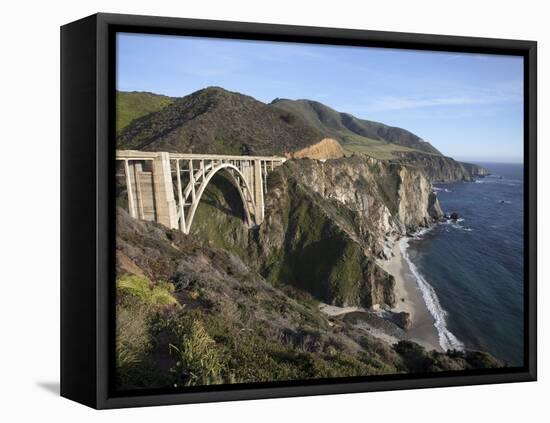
pixel 446 339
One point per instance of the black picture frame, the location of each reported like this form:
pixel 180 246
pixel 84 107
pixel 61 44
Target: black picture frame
pixel 87 211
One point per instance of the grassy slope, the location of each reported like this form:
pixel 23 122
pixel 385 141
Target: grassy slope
pixel 214 120
pixel 133 105
pixel 355 135
pixel 375 148
pixel 217 120
pixel 189 315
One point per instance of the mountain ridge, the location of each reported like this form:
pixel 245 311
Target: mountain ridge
pixel 345 125
pixel 215 120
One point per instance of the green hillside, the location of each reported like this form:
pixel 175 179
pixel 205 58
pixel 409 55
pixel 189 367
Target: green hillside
pixel 214 120
pixel 356 135
pixel 133 105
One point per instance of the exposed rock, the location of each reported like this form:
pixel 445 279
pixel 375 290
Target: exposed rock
pixel 402 319
pixel 327 148
pixel 475 170
pixel 437 168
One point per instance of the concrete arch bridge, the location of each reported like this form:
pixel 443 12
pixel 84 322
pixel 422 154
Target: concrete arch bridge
pixel 167 187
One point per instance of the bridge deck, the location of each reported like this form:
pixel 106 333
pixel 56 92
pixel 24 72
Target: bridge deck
pixel 150 155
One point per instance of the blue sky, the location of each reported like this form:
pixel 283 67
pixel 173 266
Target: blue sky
pixel 469 106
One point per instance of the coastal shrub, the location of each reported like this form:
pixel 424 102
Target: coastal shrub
pixel 482 360
pixel 198 360
pixel 133 342
pixel 138 306
pixel 140 288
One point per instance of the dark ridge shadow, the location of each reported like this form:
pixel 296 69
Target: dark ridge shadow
pixel 51 387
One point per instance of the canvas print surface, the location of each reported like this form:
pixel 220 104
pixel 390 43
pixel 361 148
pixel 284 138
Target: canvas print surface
pixel 290 212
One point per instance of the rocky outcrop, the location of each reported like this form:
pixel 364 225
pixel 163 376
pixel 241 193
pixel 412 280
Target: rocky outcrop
pixel 475 171
pixel 402 319
pixel 441 168
pixel 436 168
pixel 327 148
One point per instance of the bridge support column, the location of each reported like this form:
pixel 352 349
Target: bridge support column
pixel 165 205
pixel 258 192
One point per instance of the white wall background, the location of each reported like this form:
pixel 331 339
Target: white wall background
pixel 29 215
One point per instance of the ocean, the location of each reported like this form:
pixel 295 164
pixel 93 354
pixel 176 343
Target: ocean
pixel 470 271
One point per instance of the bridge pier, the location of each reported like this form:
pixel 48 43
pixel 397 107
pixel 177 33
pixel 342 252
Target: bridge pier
pixel 258 192
pixel 165 204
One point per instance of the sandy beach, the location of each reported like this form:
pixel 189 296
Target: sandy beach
pixel 409 299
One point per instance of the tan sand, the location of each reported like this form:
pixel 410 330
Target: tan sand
pixel 409 299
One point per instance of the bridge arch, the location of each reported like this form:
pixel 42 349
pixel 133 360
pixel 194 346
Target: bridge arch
pixel 238 180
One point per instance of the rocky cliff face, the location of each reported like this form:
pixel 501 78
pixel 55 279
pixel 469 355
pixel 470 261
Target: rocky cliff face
pixel 441 168
pixel 436 168
pixel 325 225
pixel 474 170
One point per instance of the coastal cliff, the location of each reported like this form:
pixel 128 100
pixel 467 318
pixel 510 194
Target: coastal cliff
pixel 325 225
pixel 475 170
pixel 439 168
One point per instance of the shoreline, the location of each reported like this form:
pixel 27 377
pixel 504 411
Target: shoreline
pixel 410 300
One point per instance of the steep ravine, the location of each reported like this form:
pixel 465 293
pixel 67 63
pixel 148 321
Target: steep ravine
pixel 325 225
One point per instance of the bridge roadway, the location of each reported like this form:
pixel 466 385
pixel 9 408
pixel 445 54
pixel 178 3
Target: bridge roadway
pixel 167 187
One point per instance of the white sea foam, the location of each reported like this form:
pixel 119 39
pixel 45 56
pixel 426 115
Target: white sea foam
pixel 455 224
pixel 446 339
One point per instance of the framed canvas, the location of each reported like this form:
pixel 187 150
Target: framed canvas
pixel 257 211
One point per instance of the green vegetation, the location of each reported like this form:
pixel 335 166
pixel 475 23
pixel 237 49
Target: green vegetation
pixel 138 302
pixel 188 346
pixel 198 359
pixel 374 148
pixel 215 120
pixel 219 218
pixel 317 257
pixel 418 360
pixel 144 291
pixel 356 135
pixel 134 105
